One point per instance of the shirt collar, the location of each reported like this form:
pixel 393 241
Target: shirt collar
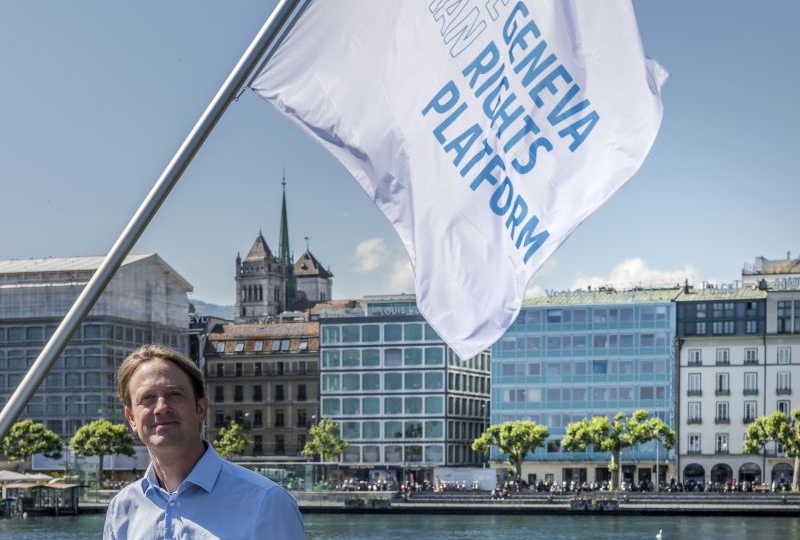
pixel 203 475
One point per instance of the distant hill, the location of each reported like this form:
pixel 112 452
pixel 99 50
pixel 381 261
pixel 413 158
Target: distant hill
pixel 212 310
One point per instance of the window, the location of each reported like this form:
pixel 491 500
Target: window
pixel 393 405
pixel 301 392
pixel 279 393
pixel 258 393
pixel 784 383
pixel 239 346
pixel 238 393
pixel 722 388
pixel 694 414
pixel 722 413
pixel 393 332
pixel 694 388
pixel 784 406
pixel 694 443
pixel 392 381
pixel 750 383
pixel 784 316
pixel 220 346
pixel 723 357
pixel 279 418
pixel 695 357
pixel 700 328
pixel 751 327
pixel 751 356
pixel 750 411
pixel 784 355
pixel 722 443
pixel 219 394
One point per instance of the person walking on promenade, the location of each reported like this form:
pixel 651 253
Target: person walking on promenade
pixel 188 491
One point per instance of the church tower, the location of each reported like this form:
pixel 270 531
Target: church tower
pixel 260 284
pixel 285 255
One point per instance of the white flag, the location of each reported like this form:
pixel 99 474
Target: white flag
pixel 484 130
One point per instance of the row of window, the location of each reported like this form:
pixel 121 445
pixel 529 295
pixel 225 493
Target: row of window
pixel 262 369
pixel 581 396
pixel 257 393
pixel 335 334
pixel 394 454
pixel 722 408
pixel 723 356
pixel 749 383
pixel 581 368
pixel 375 406
pixel 254 419
pixel 388 382
pixel 641 315
pixel 90 380
pixel 389 357
pixel 275 346
pixel 584 343
pixel 17 335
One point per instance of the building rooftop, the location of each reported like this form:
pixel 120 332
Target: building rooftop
pixel 604 295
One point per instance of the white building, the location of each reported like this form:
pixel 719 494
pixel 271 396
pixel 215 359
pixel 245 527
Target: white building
pixel 738 349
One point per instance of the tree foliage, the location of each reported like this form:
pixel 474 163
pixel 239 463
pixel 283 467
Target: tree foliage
pixel 102 438
pixel 324 440
pixel 513 439
pixel 232 441
pixel 26 438
pixel 779 428
pixel 605 435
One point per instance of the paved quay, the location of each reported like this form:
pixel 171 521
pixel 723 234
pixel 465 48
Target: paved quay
pixel 701 504
pixel 739 504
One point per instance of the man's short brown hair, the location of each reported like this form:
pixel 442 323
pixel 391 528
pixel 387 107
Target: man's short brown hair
pixel 149 352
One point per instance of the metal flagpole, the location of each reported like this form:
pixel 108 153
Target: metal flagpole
pixel 136 226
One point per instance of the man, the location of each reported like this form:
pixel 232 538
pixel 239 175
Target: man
pixel 188 491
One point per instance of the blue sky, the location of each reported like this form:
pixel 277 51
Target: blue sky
pixel 96 96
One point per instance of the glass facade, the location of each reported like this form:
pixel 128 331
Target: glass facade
pixel 574 356
pixel 401 396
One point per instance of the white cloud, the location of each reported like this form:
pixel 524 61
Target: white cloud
pixel 370 255
pixel 635 272
pixel 401 278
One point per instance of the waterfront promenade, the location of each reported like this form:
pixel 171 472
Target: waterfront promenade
pixel 479 502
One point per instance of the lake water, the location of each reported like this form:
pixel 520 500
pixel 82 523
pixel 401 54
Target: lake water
pixel 461 527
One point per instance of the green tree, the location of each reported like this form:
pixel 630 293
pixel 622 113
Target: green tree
pixel 26 438
pixel 781 429
pixel 613 436
pixel 514 439
pixel 232 441
pixel 324 441
pixel 102 438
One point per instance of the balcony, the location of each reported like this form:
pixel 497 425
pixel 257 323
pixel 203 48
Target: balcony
pixel 696 392
pixel 783 391
pixel 722 420
pixel 694 420
pixel 722 392
pixel 750 392
pixel 748 419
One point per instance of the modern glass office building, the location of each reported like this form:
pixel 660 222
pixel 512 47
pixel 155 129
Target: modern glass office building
pixel 146 301
pixel 402 397
pixel 579 354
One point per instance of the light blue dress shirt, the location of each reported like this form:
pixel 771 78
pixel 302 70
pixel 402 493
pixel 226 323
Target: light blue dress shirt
pixel 218 500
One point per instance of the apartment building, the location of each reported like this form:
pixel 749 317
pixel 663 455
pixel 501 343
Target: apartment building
pixel 265 377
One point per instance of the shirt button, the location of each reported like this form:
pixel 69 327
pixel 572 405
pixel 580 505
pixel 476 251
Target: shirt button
pixel 172 503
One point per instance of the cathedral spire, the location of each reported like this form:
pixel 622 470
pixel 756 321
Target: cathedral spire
pixel 284 253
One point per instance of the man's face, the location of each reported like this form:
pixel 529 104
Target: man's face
pixel 164 412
